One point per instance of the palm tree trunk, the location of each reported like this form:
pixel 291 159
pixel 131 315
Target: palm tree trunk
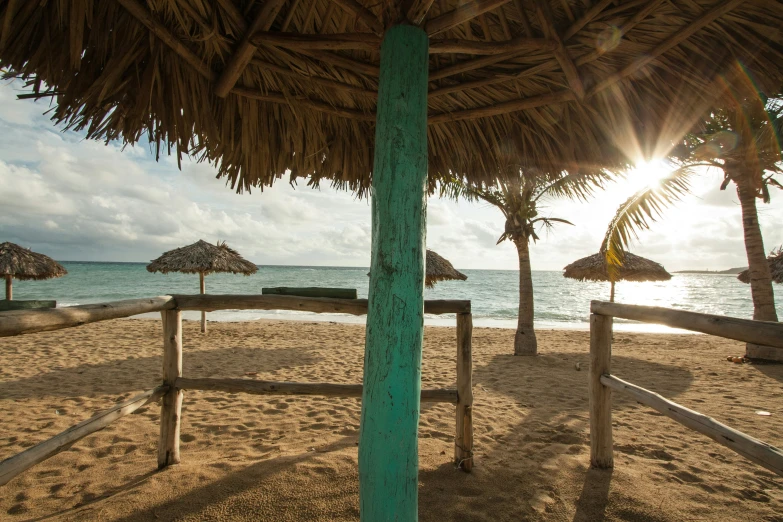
pixel 760 278
pixel 525 338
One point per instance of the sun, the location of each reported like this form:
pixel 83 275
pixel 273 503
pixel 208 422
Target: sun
pixel 648 173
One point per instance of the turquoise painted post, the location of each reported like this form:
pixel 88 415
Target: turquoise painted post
pixel 388 441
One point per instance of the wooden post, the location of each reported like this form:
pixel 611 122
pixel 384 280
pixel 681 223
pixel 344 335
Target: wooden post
pixel 388 440
pixel 9 288
pixel 601 453
pixel 202 289
pixel 611 294
pixel 463 441
pixel 171 407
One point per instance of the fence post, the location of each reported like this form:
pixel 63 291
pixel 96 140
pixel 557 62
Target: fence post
pixel 168 444
pixel 601 452
pixel 463 441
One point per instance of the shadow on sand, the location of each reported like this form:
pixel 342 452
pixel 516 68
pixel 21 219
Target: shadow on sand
pixel 518 475
pixel 127 375
pixel 525 445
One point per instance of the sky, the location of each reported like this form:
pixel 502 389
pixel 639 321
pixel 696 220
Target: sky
pixel 80 200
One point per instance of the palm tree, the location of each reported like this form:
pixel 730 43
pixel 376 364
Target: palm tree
pixel 742 139
pixel 518 198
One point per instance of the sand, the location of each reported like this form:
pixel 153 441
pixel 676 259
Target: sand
pixel 292 458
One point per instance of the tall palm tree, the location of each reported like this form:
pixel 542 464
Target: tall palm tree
pixel 742 138
pixel 519 198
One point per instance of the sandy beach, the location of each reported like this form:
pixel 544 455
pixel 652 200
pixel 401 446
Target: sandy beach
pixel 292 458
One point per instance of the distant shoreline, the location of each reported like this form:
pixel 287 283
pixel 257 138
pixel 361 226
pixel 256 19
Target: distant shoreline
pixel 730 271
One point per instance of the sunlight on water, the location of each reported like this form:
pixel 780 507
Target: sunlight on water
pixel 559 302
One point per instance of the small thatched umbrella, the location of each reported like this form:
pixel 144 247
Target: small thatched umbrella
pixel 23 264
pixel 775 260
pixel 635 268
pixel 438 268
pixel 202 258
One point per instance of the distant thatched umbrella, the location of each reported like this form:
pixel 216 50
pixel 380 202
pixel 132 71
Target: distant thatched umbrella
pixel 202 258
pixel 635 268
pixel 21 263
pixel 438 268
pixel 775 260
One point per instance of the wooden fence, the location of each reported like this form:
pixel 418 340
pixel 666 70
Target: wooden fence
pixel 602 382
pixel 170 390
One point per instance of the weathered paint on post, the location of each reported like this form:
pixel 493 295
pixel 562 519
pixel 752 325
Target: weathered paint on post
pixel 388 442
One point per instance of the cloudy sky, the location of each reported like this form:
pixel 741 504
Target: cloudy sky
pixel 75 199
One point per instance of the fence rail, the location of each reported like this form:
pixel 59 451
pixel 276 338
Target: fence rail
pixel 20 322
pixel 171 389
pixel 601 381
pixel 746 330
pixel 323 389
pixel 752 449
pixel 210 303
pixel 13 466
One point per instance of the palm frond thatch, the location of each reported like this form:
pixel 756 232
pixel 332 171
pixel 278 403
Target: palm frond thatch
pixel 204 258
pixel 548 84
pixel 440 269
pixel 775 261
pixel 634 268
pixel 23 264
pixel 636 213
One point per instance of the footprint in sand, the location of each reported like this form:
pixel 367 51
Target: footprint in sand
pixel 17 509
pixel 687 477
pixel 750 494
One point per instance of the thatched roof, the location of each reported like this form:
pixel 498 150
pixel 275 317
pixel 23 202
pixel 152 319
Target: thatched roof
pixel 202 257
pixel 775 260
pixel 544 83
pixel 23 264
pixel 635 268
pixel 440 269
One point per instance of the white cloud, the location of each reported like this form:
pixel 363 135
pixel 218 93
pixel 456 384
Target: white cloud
pixel 78 199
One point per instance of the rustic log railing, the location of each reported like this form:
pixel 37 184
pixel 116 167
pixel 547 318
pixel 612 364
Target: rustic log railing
pixel 602 382
pixel 170 390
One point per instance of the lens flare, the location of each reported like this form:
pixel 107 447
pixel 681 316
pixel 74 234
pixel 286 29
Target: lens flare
pixel 650 173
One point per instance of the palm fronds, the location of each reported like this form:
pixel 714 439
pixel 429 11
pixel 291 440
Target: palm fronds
pixel 24 264
pixel 204 258
pixel 638 211
pixel 147 70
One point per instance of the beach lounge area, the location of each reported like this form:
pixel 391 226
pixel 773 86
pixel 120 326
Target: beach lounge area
pixel 508 104
pixel 250 457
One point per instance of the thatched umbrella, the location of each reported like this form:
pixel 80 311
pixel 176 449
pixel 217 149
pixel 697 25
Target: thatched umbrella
pixel 202 258
pixel 775 260
pixel 22 263
pixel 438 268
pixel 357 90
pixel 635 268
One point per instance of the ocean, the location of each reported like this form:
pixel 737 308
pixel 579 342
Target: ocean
pixel 559 302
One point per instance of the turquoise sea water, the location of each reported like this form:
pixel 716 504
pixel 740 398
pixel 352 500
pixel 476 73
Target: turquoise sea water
pixel 559 302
